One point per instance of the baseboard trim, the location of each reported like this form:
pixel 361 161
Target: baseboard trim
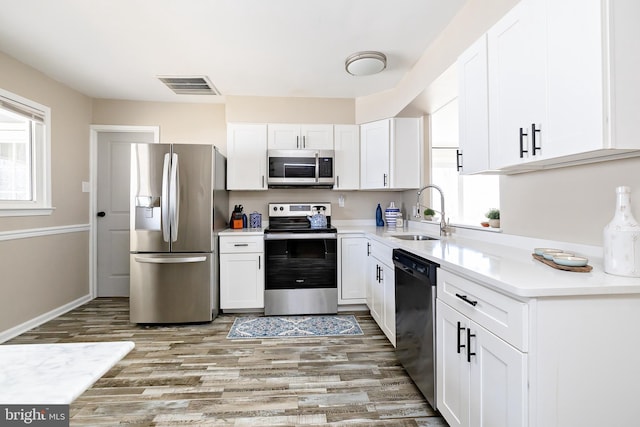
pixel 46 231
pixel 43 318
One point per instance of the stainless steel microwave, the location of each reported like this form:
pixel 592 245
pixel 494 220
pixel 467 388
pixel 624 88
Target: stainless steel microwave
pixel 300 168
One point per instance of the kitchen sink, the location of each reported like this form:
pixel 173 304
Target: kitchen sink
pixel 413 237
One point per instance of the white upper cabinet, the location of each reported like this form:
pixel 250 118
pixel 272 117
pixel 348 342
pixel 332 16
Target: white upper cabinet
pixel 391 154
pixel 473 109
pixel 246 156
pixel 347 157
pixel 517 63
pixel 561 83
pixel 293 137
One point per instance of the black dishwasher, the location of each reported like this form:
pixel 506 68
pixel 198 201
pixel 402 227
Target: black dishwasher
pixel 416 319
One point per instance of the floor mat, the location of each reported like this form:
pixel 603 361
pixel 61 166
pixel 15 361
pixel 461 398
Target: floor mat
pixel 294 326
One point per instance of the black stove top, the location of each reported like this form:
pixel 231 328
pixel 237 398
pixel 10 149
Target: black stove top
pixel 308 229
pixel 294 218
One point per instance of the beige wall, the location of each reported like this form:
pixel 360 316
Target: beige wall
pixel 179 122
pixel 248 109
pixel 43 273
pixel 568 204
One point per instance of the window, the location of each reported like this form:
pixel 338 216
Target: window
pixel 24 157
pixel 467 197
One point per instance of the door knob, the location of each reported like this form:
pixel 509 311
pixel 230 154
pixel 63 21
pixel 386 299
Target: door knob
pixel 101 214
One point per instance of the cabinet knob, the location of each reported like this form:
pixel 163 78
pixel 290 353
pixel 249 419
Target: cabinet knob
pixel 469 352
pixel 458 160
pixel 460 328
pixel 101 214
pixel 534 131
pixel 467 300
pixel 522 135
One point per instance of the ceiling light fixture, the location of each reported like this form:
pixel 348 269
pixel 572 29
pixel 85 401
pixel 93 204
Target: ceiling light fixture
pixel 365 63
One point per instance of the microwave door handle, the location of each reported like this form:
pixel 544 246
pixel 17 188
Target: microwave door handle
pixel 287 165
pixel 175 198
pixel 317 168
pixel 164 206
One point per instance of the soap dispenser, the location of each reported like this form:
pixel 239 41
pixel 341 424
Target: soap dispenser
pixel 379 221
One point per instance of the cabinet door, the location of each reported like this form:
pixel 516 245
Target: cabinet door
pixel 374 155
pixel 473 108
pixel 246 157
pixel 405 153
pixel 574 78
pixel 284 136
pixel 377 292
pixel 369 278
pixel 517 91
pixel 389 302
pixel 347 157
pixel 353 262
pixel 498 386
pixel 241 280
pixel 453 370
pixel 317 137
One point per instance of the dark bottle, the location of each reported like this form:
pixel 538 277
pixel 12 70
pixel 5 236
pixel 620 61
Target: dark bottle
pixel 379 221
pixel 244 220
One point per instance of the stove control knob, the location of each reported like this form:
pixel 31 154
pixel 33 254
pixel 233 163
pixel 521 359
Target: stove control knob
pixel 275 208
pixel 281 208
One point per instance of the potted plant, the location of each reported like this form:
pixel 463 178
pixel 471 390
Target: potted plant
pixel 494 217
pixel 428 214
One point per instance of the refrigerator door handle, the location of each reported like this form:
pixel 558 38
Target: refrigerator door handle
pixel 169 260
pixel 164 205
pixel 174 197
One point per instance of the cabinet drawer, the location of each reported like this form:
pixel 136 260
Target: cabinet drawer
pixel 502 315
pixel 235 244
pixel 381 251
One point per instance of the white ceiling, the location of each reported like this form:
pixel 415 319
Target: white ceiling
pixel 289 48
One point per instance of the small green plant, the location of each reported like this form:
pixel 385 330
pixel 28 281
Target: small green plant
pixel 429 212
pixel 493 214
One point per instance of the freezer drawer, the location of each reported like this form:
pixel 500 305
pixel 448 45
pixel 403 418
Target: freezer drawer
pixel 171 288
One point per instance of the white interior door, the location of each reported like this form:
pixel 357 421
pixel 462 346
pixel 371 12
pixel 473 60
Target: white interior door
pixel 112 209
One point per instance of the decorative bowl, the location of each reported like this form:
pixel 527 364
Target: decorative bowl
pixel 550 255
pixel 540 251
pixel 570 261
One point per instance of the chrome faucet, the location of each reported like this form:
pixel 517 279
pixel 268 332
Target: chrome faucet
pixel 444 227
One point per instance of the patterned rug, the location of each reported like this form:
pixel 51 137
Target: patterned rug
pixel 294 326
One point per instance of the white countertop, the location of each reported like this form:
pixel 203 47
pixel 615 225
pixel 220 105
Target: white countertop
pixel 505 268
pixel 54 373
pixel 243 231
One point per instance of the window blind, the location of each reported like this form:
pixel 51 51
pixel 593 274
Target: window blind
pixel 22 110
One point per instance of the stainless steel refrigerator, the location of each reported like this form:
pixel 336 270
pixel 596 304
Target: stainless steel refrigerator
pixel 178 204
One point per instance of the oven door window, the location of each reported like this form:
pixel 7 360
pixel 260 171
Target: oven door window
pixel 301 263
pixel 292 167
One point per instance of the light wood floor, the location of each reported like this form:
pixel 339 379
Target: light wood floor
pixel 193 375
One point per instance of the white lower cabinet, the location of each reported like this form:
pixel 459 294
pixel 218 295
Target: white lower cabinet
pixel 381 298
pixel 352 284
pixel 482 379
pixel 241 272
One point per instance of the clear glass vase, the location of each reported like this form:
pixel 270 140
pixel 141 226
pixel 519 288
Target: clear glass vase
pixel 622 238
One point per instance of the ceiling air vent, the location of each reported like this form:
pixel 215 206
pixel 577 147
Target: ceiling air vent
pixel 190 85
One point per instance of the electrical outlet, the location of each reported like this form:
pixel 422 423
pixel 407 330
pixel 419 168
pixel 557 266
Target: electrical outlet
pixel 86 187
pixel 341 201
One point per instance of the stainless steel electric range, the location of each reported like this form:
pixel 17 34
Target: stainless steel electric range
pixel 301 261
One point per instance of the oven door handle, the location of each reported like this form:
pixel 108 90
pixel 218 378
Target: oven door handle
pixel 299 236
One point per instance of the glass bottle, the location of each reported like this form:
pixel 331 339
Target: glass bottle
pixel 622 238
